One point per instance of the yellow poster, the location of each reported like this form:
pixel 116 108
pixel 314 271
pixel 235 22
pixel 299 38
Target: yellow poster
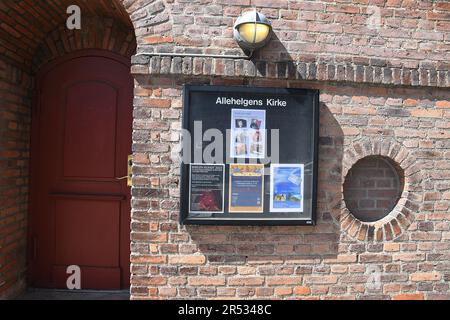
pixel 246 188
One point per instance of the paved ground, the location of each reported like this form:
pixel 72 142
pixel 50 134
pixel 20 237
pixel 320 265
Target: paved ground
pixel 47 294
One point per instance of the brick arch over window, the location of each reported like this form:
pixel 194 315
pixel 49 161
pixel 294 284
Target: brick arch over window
pixel 401 216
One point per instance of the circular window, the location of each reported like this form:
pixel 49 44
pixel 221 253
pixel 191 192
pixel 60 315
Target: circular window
pixel 373 187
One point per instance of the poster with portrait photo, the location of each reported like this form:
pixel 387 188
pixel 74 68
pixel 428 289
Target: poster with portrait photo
pixel 286 187
pixel 248 129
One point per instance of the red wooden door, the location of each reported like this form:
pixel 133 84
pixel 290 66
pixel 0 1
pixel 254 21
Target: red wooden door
pixel 79 210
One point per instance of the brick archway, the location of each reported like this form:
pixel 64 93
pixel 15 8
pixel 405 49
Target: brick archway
pixel 30 37
pixel 26 28
pixel 98 33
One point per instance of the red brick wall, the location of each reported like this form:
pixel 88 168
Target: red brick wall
pixel 408 33
pixel 384 91
pixel 328 261
pixel 14 153
pixel 24 26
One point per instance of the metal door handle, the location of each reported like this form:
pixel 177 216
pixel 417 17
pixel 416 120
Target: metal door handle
pixel 129 170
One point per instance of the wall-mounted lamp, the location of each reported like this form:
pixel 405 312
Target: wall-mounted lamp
pixel 252 31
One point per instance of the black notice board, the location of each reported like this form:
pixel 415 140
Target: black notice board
pixel 286 120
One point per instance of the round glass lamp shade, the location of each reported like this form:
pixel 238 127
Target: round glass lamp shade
pixel 252 30
pixel 254 33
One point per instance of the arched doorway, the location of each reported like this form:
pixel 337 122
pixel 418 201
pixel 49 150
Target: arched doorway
pixel 37 48
pixel 81 138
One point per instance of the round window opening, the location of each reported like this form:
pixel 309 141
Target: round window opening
pixel 373 187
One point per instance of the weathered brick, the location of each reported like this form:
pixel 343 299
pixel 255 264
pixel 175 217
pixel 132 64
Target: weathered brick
pixel 246 281
pixel 425 276
pixel 409 296
pixel 320 279
pixel 424 113
pixel 282 291
pixel 287 280
pixel 189 260
pixel 206 281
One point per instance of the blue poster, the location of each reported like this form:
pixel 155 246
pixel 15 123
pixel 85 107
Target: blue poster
pixel 286 187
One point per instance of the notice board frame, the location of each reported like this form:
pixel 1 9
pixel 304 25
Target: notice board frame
pixel 186 219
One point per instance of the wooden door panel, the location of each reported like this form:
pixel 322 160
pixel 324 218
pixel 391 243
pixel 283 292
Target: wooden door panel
pixel 87 232
pixel 90 131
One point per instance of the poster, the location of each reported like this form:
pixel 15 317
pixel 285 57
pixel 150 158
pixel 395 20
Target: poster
pixel 286 187
pixel 206 190
pixel 248 133
pixel 246 188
